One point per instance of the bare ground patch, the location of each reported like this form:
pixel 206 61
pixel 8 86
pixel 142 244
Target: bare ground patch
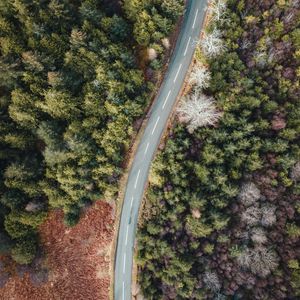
pixel 77 259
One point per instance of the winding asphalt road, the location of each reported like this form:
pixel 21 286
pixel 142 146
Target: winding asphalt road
pixel 159 115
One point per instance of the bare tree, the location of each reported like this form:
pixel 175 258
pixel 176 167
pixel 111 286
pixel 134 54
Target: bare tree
pixel 152 54
pixel 258 236
pixel 212 43
pixel 249 193
pixel 212 281
pixel 166 43
pixel 295 3
pixel 263 261
pixel 268 217
pixel 200 77
pixel 244 258
pixel 217 8
pixel 261 58
pixel 33 206
pixel 198 110
pixel 295 172
pixel 289 17
pixel 245 44
pixel 260 260
pixel 251 216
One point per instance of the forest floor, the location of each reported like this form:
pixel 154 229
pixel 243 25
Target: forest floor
pixel 78 259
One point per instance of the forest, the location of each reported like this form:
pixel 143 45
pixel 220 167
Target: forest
pixel 71 88
pixel 221 216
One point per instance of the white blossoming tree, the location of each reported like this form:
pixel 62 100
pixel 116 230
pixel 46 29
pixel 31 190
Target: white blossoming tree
pixel 200 77
pixel 212 43
pixel 198 110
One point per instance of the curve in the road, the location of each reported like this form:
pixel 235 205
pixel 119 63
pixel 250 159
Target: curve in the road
pixel 159 115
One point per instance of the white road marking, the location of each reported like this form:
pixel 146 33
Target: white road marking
pixel 166 99
pixel 177 73
pixel 187 46
pixel 126 236
pixel 195 18
pixel 123 290
pixel 146 149
pixel 155 125
pixel 124 263
pixel 131 202
pixel 137 178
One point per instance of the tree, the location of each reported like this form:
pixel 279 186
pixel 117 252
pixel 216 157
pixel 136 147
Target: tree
pixel 212 281
pixel 268 215
pixel 295 172
pixel 212 44
pixel 218 9
pixel 16 229
pixel 13 199
pixel 200 77
pixel 117 28
pixel 259 260
pixel 258 236
pixel 172 8
pixel 24 250
pixel 249 194
pixel 198 110
pixel 60 105
pixel 23 110
pixel 251 216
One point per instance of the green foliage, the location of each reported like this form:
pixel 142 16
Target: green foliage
pixel 15 228
pixel 5 244
pixel 70 92
pixel 293 230
pixel 152 20
pixel 193 206
pixel 24 251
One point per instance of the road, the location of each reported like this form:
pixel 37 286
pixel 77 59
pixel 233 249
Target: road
pixel 159 115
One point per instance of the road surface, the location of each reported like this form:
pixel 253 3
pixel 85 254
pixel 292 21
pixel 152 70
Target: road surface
pixel 159 115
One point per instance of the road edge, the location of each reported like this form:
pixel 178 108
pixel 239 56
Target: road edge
pixel 129 157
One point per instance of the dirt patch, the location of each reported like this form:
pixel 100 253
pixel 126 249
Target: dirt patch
pixel 78 259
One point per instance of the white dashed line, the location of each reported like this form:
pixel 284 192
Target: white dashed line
pixel 187 46
pixel 123 290
pixel 166 100
pixel 124 263
pixel 177 73
pixel 131 202
pixel 195 18
pixel 137 178
pixel 126 236
pixel 146 148
pixel 155 125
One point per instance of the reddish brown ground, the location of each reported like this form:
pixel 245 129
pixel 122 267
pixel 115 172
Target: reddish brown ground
pixel 78 259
